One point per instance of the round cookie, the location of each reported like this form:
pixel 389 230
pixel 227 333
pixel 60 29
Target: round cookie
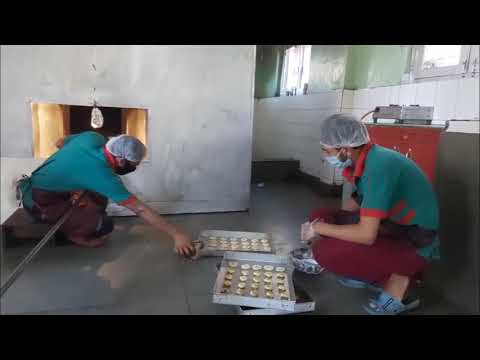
pixel 240 292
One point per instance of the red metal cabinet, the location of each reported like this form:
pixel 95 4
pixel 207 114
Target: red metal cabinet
pixel 418 143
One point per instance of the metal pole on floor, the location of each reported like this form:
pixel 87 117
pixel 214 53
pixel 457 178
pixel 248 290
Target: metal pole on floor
pixel 19 269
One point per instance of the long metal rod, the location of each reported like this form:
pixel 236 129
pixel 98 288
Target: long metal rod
pixel 19 269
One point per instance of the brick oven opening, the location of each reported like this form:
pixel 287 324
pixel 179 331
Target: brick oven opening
pixel 54 121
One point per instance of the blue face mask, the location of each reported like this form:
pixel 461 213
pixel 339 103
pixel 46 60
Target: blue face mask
pixel 334 161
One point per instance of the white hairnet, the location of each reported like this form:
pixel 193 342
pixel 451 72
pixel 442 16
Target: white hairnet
pixel 126 147
pixel 343 130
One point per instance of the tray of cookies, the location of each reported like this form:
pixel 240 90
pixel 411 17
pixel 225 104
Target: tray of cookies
pixel 216 242
pixel 255 280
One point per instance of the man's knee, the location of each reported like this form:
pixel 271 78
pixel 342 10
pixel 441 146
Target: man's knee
pixel 331 253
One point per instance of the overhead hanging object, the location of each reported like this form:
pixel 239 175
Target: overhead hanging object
pixel 96 118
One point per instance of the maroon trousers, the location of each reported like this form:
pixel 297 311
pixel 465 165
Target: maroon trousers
pixel 87 221
pixel 389 254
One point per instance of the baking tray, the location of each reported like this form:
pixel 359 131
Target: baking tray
pixel 262 301
pixel 304 303
pixel 232 238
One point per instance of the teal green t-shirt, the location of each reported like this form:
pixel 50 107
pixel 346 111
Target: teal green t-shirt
pixel 80 164
pixel 393 187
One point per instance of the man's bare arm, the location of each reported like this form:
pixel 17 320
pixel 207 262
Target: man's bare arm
pixel 183 244
pixel 365 232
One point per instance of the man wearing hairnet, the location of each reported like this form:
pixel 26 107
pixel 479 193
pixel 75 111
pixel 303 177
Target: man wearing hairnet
pixel 86 162
pixel 387 234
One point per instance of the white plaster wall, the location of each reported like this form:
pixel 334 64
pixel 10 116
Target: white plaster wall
pixel 200 102
pixel 287 127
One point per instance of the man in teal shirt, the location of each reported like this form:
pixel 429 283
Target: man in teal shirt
pixel 86 162
pixel 387 234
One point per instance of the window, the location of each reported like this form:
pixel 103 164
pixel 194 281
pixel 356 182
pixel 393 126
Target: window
pixel 441 60
pixel 52 122
pixel 296 70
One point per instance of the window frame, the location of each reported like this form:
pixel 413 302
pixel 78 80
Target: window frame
pixel 446 71
pixel 284 76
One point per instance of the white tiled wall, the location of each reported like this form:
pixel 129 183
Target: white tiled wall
pixel 452 99
pixel 287 127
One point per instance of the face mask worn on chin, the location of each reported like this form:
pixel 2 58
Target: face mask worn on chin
pixel 334 161
pixel 128 168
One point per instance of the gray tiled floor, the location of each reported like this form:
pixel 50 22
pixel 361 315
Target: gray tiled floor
pixel 137 272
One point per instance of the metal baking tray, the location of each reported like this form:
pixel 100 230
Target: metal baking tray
pixel 304 303
pixel 231 238
pixel 262 301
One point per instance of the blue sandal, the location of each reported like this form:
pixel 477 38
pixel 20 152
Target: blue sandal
pixel 357 284
pixel 387 305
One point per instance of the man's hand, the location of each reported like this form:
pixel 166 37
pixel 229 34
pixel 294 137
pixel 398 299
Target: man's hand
pixel 75 195
pixel 308 232
pixel 183 244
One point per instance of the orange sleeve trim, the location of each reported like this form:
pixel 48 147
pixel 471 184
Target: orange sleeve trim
pixel 407 218
pixel 373 213
pixel 130 201
pixel 397 209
